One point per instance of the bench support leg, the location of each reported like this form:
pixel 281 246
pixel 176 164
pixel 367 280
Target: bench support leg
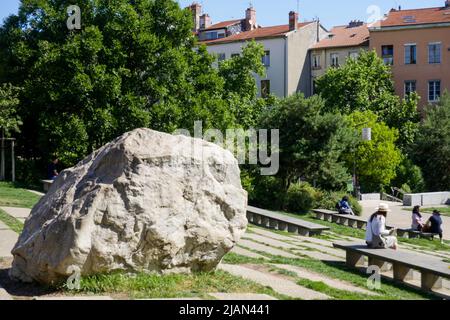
pixel 354 259
pixel 327 217
pixel 361 224
pixel 303 232
pixel 352 223
pixel 250 216
pixel 273 223
pixel 430 281
pixel 292 228
pixel 384 266
pixel 402 273
pixel 282 226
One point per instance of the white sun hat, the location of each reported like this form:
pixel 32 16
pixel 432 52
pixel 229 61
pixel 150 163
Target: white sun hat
pixel 383 207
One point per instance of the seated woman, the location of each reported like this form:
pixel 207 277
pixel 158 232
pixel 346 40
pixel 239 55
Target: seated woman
pixel 344 206
pixel 417 220
pixel 377 237
pixel 434 225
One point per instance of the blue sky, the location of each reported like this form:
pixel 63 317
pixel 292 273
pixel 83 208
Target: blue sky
pixel 270 12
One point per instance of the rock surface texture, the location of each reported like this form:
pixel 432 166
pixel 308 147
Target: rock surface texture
pixel 148 201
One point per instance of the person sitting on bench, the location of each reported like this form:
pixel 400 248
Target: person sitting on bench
pixel 417 220
pixel 344 206
pixel 434 225
pixel 377 237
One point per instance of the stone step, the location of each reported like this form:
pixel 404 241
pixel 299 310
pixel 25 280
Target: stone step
pixel 8 239
pixel 248 244
pixel 277 283
pixel 3 226
pixel 20 214
pixel 269 241
pixel 317 255
pixel 248 253
pixel 4 295
pixel 73 298
pixel 337 284
pixel 241 296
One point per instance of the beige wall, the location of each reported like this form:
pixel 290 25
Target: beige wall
pixel 421 72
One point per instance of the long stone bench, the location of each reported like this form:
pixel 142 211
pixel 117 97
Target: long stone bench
pixel 342 219
pixel 47 184
pixel 432 269
pixel 409 233
pixel 273 220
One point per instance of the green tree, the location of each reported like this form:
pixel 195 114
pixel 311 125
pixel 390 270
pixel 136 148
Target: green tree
pixel 376 160
pixel 312 143
pixel 431 150
pixel 9 119
pixel 364 84
pixel 133 64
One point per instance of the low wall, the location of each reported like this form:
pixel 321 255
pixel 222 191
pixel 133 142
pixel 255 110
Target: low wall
pixel 426 199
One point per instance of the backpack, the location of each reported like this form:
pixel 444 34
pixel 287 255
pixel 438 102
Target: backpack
pixel 338 206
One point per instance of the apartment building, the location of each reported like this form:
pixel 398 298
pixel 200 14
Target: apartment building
pixel 286 47
pixel 342 43
pixel 416 43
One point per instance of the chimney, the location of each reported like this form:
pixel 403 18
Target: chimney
pixel 196 10
pixel 205 21
pixel 250 19
pixel 293 20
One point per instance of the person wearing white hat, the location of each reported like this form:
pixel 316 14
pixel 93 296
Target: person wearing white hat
pixel 377 237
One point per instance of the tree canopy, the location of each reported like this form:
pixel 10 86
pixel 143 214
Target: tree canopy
pixel 133 64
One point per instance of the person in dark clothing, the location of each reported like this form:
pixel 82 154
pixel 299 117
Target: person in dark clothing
pixel 434 224
pixel 344 206
pixel 52 170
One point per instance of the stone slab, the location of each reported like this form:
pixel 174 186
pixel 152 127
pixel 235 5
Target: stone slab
pixel 73 298
pixel 248 253
pixel 18 213
pixel 3 226
pixel 278 284
pixel 337 284
pixel 266 249
pixel 8 239
pixel 241 296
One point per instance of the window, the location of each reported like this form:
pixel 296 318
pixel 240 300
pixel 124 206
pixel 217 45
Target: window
pixel 266 59
pixel 410 87
pixel 387 53
pixel 221 57
pixel 265 88
pixel 316 61
pixel 434 53
pixel 434 90
pixel 211 35
pixel 353 55
pixel 410 54
pixel 221 35
pixel 335 60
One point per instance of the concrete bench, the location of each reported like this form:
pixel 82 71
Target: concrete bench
pixel 342 219
pixel 409 233
pixel 432 269
pixel 47 184
pixel 273 220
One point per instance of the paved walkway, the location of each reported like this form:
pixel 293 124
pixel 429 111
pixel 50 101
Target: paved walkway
pixel 20 214
pixel 399 217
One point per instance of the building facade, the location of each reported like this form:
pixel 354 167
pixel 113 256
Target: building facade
pixel 286 48
pixel 342 43
pixel 416 43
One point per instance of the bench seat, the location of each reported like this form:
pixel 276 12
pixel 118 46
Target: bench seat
pixel 432 269
pixel 274 220
pixel 343 219
pixel 409 233
pixel 47 184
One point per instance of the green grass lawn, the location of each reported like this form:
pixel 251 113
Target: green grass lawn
pixel 11 196
pixel 146 286
pixel 11 222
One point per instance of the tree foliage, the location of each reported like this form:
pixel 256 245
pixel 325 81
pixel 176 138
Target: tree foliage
pixel 432 148
pixel 9 119
pixel 312 143
pixel 133 64
pixel 364 84
pixel 376 160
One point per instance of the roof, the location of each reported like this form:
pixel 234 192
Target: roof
pixel 345 36
pixel 259 33
pixel 223 24
pixel 397 18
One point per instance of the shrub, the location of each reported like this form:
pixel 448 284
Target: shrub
pixel 301 197
pixel 267 192
pixel 328 201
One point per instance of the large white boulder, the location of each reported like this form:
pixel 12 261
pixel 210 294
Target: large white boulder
pixel 148 201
